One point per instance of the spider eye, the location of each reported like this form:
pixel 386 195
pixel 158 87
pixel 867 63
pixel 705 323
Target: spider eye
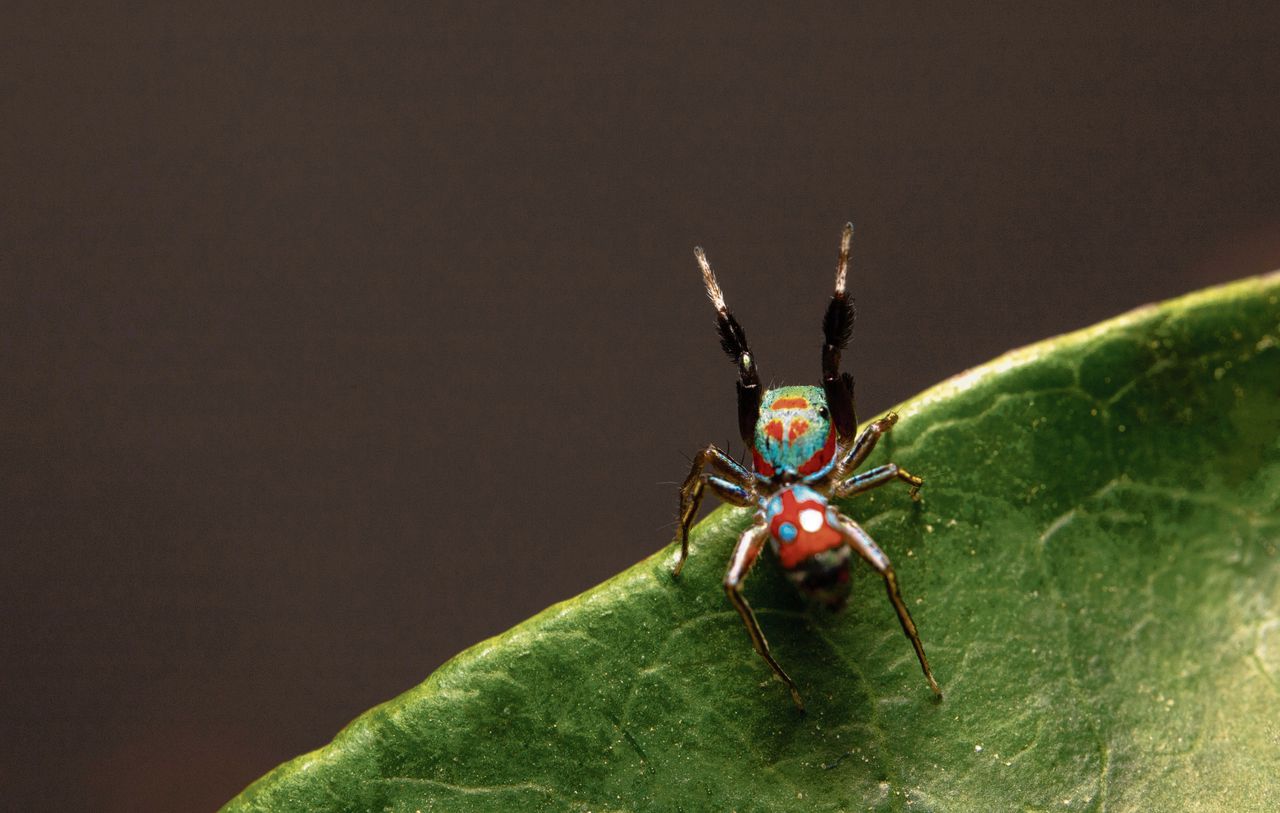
pixel 823 413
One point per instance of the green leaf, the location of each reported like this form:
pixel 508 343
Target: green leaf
pixel 1093 570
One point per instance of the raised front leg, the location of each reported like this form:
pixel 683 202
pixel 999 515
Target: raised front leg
pixel 744 556
pixel 876 477
pixel 737 488
pixel 837 329
pixel 866 547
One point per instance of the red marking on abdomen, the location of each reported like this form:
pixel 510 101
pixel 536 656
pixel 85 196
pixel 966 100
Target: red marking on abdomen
pixel 797 427
pixel 806 543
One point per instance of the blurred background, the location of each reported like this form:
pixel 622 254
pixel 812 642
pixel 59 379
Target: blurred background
pixel 335 341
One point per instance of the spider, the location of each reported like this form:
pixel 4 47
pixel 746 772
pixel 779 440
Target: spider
pixel 804 444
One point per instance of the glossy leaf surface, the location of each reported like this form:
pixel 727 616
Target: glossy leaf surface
pixel 1094 569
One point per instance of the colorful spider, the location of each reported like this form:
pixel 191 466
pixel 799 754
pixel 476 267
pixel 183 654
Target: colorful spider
pixel 804 444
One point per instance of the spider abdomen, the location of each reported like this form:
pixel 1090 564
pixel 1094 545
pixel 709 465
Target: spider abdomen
pixel 804 532
pixel 824 577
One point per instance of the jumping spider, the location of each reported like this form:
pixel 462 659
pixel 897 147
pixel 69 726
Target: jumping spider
pixel 804 444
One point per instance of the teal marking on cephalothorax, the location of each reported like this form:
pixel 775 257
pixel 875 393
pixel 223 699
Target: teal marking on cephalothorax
pixel 794 431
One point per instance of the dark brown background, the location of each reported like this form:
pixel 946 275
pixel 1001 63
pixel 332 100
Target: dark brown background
pixel 334 342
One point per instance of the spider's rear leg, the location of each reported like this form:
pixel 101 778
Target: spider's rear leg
pixel 873 478
pixel 744 556
pixel 867 548
pixel 736 487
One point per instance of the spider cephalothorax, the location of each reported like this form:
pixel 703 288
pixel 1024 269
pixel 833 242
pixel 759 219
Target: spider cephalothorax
pixel 804 442
pixel 794 434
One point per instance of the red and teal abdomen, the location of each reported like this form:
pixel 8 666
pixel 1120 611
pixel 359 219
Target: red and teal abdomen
pixel 805 534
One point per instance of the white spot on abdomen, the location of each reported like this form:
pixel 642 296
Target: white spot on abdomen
pixel 811 519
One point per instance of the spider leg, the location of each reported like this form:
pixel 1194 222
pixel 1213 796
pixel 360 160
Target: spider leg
pixel 837 329
pixel 869 550
pixel 733 340
pixel 744 556
pixel 862 447
pixel 874 478
pixel 736 488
